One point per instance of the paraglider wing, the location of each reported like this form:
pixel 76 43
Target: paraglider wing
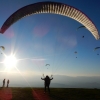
pixel 3 48
pixel 47 65
pixel 81 27
pixel 51 7
pixel 75 52
pixel 96 48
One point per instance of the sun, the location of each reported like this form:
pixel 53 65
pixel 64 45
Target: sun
pixel 10 61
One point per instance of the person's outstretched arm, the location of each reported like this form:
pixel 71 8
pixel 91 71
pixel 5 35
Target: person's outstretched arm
pixel 42 78
pixel 51 79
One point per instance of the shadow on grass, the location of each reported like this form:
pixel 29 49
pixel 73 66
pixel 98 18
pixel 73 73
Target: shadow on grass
pixel 22 94
pixel 56 94
pixel 39 94
pixel 5 94
pixel 55 97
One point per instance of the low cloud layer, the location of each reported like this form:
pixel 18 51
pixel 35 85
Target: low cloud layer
pixel 59 81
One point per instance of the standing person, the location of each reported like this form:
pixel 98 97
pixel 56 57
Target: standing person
pixel 47 82
pixel 3 83
pixel 7 83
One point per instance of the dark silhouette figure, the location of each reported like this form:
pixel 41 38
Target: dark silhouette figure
pixel 7 83
pixel 47 82
pixel 3 83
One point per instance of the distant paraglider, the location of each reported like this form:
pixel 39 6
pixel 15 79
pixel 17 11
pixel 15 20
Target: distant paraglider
pixel 96 48
pixel 81 27
pixel 47 65
pixel 3 48
pixel 75 53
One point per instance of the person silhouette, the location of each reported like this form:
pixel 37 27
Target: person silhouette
pixel 3 83
pixel 47 82
pixel 7 83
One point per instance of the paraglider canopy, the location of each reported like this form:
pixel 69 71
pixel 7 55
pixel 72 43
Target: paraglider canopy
pixel 47 65
pixel 54 8
pixel 81 27
pixel 75 52
pixel 96 48
pixel 3 48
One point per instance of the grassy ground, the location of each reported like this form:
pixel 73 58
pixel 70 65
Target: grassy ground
pixel 56 94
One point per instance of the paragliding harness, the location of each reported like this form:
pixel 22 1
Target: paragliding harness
pixel 47 79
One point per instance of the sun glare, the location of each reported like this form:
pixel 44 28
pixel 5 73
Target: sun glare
pixel 10 61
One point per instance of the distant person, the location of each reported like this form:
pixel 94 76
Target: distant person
pixel 47 82
pixel 7 83
pixel 3 83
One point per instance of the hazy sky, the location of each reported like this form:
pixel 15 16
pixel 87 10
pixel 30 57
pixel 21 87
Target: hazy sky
pixel 41 39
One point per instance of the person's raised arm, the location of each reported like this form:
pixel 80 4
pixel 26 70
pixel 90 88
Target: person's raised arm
pixel 51 78
pixel 42 78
